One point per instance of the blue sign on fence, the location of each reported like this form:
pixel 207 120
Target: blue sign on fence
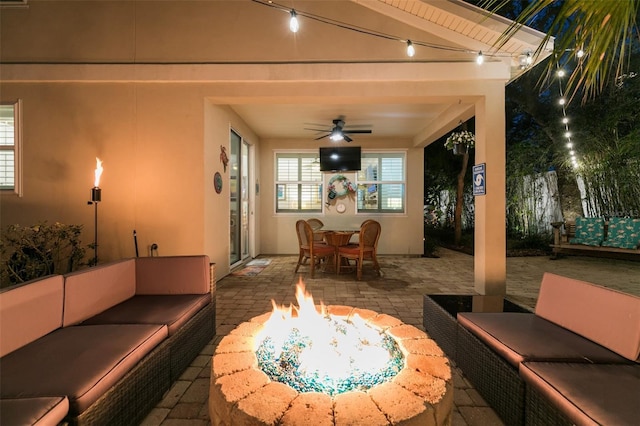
pixel 479 183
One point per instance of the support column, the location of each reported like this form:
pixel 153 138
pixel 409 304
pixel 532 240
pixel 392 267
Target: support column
pixel 490 239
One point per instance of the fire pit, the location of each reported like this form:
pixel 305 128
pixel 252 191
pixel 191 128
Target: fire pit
pixel 328 365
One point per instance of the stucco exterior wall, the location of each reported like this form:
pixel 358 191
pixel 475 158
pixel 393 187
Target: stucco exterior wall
pixel 150 139
pixel 401 233
pixel 149 87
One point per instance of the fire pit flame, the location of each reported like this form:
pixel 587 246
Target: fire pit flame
pixel 313 351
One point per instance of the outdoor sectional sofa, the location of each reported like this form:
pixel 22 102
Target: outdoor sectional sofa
pixel 102 345
pixel 575 360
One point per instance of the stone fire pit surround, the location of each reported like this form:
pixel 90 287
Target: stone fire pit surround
pixel 242 394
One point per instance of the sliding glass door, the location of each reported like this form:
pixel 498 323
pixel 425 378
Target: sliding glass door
pixel 239 202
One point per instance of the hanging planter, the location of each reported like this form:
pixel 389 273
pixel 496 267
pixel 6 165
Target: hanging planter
pixel 459 149
pixel 460 142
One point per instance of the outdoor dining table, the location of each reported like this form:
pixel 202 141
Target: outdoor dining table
pixel 337 238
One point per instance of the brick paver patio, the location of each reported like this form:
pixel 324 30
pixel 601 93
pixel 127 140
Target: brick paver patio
pixel 398 292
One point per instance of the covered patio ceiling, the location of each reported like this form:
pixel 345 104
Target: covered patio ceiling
pixel 446 23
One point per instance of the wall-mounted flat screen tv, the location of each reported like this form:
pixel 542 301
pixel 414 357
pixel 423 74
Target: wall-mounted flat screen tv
pixel 340 158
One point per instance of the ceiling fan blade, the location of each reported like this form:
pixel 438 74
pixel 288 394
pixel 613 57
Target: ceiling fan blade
pixel 356 131
pixel 321 137
pixel 347 138
pixel 357 126
pixel 317 130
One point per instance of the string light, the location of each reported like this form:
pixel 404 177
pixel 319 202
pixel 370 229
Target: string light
pixel 529 59
pixel 580 53
pixel 294 25
pixel 565 120
pixel 410 49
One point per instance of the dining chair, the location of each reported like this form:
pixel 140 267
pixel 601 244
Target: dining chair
pixel 309 249
pixel 355 239
pixel 366 249
pixel 316 225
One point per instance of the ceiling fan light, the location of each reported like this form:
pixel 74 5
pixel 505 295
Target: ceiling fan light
pixel 336 135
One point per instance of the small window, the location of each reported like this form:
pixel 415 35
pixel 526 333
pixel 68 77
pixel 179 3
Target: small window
pixel 298 183
pixel 381 183
pixel 10 147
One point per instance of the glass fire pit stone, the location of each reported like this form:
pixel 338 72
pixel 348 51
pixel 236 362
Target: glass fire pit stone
pixel 241 393
pixel 287 366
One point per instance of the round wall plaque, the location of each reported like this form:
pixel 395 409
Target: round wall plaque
pixel 217 182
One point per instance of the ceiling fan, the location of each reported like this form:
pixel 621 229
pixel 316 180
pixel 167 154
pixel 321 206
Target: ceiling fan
pixel 338 132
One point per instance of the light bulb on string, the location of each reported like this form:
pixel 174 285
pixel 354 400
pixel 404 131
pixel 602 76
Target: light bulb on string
pixel 565 120
pixel 410 49
pixel 580 53
pixel 560 73
pixel 562 101
pixel 567 134
pixel 294 25
pixel 480 58
pixel 569 145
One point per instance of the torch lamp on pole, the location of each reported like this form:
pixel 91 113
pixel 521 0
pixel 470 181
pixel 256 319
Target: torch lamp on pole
pixel 96 197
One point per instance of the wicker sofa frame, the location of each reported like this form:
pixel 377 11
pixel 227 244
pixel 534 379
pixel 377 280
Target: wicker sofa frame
pixel 131 398
pixel 513 394
pixel 492 376
pixel 129 401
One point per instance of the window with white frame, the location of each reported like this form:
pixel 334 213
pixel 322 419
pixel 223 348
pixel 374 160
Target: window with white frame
pixel 298 183
pixel 381 183
pixel 10 144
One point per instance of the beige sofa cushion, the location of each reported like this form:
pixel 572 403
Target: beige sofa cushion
pixel 94 290
pixel 607 317
pixel 172 275
pixel 588 394
pixel 29 311
pixel 44 411
pixel 81 362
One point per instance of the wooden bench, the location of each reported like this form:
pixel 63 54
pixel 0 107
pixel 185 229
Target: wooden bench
pixel 564 232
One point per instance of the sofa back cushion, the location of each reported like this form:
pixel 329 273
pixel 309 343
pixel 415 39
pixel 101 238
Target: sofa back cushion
pixel 623 232
pixel 30 311
pixel 172 275
pixel 589 231
pixel 91 291
pixel 605 316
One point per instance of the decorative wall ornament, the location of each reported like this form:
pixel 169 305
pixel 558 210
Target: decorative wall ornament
pixel 224 158
pixel 217 182
pixel 347 188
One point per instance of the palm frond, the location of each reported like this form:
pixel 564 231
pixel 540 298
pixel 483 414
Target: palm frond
pixel 603 29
